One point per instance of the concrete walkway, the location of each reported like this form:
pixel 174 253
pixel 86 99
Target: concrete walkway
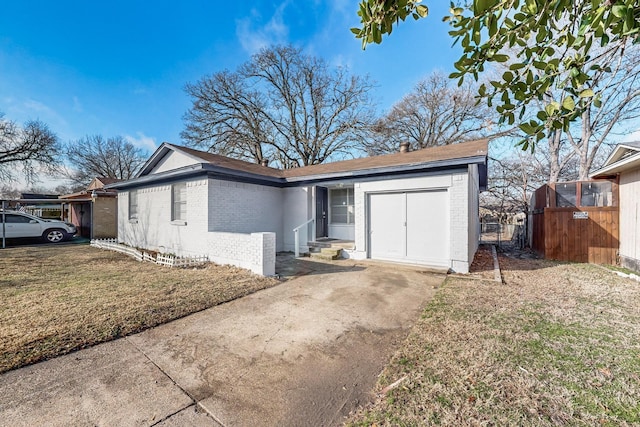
pixel 305 352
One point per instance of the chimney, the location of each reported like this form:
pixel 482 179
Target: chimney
pixel 264 162
pixel 404 147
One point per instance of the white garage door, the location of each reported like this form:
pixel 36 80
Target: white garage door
pixel 410 227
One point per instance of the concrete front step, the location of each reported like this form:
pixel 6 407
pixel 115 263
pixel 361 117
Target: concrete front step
pixel 335 244
pixel 318 245
pixel 327 253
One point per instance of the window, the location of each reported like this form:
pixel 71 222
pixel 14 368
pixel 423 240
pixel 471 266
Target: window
pixel 133 204
pixel 596 194
pixel 179 202
pixel 17 219
pixel 566 194
pixel 342 211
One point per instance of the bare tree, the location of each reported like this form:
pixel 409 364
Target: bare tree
pixel 515 175
pixel 95 156
pixel 281 105
pixel 618 105
pixel 615 77
pixel 435 112
pixel 9 192
pixel 29 149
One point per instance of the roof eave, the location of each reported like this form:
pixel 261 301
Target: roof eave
pixel 171 175
pixel 214 171
pixel 618 167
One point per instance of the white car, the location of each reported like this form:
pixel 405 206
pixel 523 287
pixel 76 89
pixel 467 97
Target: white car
pixel 14 225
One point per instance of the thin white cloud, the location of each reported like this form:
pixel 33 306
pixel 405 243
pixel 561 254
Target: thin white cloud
pixel 142 141
pixel 37 106
pixel 254 36
pixel 140 90
pixel 334 41
pixel 30 109
pixel 77 105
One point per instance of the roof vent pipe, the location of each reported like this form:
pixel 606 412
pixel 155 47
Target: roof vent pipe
pixel 264 162
pixel 404 147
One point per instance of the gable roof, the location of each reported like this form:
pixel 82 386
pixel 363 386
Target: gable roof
pixel 473 152
pixel 625 156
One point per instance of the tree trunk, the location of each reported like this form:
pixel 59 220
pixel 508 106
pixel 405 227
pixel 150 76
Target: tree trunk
pixel 554 155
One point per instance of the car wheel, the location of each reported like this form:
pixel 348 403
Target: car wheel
pixel 55 235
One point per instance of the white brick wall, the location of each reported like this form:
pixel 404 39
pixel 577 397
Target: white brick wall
pixel 154 229
pixel 459 236
pixel 245 208
pixel 255 251
pixel 474 212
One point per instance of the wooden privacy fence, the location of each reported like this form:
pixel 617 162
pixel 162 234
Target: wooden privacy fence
pixel 577 221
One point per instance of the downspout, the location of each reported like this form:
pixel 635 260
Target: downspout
pixel 92 205
pixel 4 238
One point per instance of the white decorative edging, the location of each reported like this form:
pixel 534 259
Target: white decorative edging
pixel 160 259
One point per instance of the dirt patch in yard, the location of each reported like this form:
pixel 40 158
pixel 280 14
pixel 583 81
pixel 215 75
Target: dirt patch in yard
pixel 556 344
pixel 482 265
pixel 59 299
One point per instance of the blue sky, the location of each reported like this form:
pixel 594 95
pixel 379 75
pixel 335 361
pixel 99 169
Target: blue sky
pixel 119 68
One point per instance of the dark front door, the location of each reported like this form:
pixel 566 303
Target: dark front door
pixel 322 211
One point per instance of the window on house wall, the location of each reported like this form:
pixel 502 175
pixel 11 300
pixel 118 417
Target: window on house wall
pixel 342 210
pixel 179 202
pixel 133 204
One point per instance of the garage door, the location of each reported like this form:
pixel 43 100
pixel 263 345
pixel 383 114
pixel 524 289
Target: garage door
pixel 410 227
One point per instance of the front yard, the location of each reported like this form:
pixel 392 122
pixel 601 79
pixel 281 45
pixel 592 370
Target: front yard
pixel 55 300
pixel 556 344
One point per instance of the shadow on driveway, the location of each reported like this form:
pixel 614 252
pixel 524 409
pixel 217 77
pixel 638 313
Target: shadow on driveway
pixel 288 266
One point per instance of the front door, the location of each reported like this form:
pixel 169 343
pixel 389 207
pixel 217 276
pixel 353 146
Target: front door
pixel 322 211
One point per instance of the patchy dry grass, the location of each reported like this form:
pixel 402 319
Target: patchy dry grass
pixel 59 299
pixel 556 344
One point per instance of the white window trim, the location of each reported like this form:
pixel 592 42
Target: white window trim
pixel 352 194
pixel 174 220
pixel 133 216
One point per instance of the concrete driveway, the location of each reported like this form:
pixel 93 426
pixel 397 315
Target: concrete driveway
pixel 305 352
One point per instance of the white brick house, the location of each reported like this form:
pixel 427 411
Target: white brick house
pixel 417 207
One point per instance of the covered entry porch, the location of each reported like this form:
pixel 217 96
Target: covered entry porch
pixel 332 223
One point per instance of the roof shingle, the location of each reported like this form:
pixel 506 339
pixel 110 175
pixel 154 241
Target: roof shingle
pixel 426 155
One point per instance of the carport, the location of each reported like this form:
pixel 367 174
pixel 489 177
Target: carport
pixel 18 204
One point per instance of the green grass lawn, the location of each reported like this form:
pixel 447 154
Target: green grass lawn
pixel 556 344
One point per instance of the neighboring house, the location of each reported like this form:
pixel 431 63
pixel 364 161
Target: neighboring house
pixel 94 211
pixel 417 207
pixel 624 164
pixel 36 204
